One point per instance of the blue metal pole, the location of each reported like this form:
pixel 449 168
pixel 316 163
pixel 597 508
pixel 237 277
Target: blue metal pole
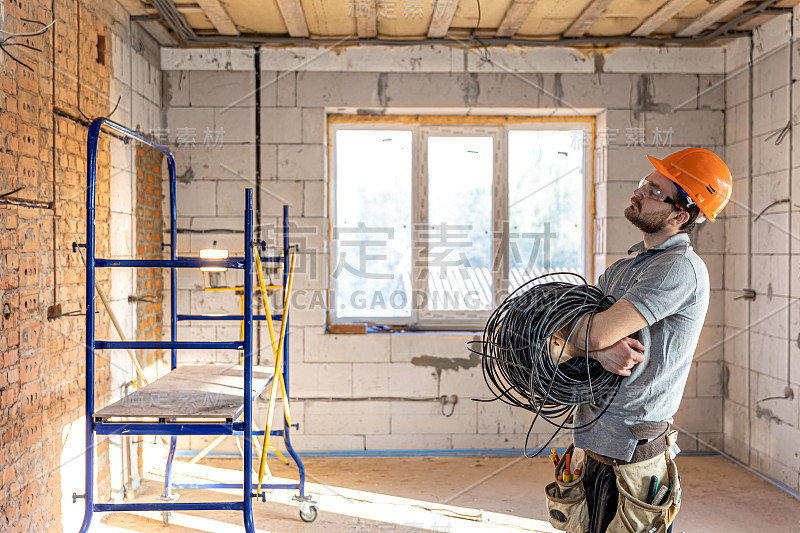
pixel 179 262
pixel 237 318
pixel 248 362
pixel 286 429
pixel 190 506
pixel 173 305
pixel 173 254
pixel 173 443
pixel 91 178
pixel 155 345
pixel 173 428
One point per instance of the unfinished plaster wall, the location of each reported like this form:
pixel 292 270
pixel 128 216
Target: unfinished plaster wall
pixel 761 384
pixel 646 101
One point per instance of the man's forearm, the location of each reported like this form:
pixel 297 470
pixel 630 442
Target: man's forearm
pixel 604 329
pixel 577 334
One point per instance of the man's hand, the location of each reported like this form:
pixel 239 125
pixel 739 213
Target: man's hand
pixel 620 357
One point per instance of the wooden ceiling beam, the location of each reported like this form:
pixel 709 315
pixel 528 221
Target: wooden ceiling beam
pixel 709 17
pixel 366 12
pixel 294 17
pixel 443 11
pixel 218 16
pixel 661 16
pixel 588 16
pixel 190 10
pixel 515 15
pixel 159 32
pixel 135 7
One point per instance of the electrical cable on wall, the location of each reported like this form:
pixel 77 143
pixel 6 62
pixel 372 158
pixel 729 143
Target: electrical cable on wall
pixel 7 39
pixel 523 353
pixel 445 400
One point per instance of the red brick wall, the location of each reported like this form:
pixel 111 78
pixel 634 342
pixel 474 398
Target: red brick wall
pixel 42 368
pixel 149 281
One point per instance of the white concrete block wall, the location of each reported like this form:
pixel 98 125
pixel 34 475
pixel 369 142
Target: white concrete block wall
pixel 134 94
pixel 761 253
pixel 680 104
pixel 135 91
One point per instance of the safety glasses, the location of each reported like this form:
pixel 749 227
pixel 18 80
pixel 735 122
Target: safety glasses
pixel 651 190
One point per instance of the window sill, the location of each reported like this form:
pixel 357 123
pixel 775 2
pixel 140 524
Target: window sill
pixel 363 329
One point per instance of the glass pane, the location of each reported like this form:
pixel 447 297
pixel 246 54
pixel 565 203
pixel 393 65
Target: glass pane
pixel 546 204
pixel 458 237
pixel 372 270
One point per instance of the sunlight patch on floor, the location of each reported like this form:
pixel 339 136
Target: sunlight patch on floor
pixel 373 506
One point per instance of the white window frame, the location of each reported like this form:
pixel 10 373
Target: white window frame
pixel 426 319
pixel 334 245
pixel 588 185
pixel 422 319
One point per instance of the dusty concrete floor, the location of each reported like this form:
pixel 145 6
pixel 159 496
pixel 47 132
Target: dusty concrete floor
pixel 454 494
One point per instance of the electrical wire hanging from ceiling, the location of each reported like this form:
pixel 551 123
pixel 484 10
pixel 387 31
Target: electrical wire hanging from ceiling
pixel 524 360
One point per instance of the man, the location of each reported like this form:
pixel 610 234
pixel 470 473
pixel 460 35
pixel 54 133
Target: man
pixel 649 335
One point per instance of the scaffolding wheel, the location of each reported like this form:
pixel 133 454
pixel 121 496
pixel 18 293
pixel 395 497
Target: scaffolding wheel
pixel 308 512
pixel 165 517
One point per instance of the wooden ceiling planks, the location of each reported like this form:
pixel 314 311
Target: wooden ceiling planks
pixel 218 16
pixel 588 17
pixel 663 15
pixel 443 13
pixel 515 15
pixel 256 18
pixel 450 19
pixel 711 15
pixel 293 17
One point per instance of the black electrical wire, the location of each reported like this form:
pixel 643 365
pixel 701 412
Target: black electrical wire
pixel 523 352
pixel 5 41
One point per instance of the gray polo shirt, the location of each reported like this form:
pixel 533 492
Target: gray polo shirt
pixel 669 286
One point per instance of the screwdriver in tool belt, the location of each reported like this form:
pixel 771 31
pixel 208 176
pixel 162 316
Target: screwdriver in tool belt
pixel 554 455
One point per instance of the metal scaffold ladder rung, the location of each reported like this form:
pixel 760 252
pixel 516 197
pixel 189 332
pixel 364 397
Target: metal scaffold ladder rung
pixel 179 262
pixel 168 345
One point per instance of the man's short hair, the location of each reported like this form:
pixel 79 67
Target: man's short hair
pixel 694 213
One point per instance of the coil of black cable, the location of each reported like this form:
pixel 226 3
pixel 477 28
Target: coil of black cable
pixel 523 357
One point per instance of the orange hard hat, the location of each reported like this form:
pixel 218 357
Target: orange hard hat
pixel 702 175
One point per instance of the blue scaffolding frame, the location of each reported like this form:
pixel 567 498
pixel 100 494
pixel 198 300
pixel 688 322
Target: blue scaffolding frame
pixel 170 426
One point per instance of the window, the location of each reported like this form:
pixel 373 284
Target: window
pixel 436 221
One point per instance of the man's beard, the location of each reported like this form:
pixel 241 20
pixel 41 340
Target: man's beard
pixel 652 223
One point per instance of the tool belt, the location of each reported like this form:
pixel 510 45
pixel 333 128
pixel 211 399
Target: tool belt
pixel 636 512
pixel 654 439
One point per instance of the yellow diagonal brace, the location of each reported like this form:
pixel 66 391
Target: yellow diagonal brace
pixel 279 454
pixel 219 439
pixel 271 327
pixel 241 334
pixel 278 359
pixel 214 443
